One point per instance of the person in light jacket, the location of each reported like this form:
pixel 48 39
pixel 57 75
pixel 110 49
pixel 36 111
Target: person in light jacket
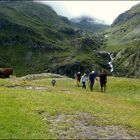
pixel 83 80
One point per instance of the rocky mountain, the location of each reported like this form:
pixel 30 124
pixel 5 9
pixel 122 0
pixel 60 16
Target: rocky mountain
pixel 123 39
pixel 34 39
pixel 90 25
pixel 125 30
pixel 127 62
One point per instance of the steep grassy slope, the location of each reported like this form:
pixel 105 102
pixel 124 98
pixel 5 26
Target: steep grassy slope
pixel 30 108
pixel 125 30
pixel 123 39
pixel 127 62
pixel 34 39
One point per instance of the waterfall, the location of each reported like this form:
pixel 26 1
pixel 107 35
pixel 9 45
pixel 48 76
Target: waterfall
pixel 110 63
pixel 111 59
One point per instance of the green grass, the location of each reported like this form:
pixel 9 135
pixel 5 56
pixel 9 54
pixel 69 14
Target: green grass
pixel 19 117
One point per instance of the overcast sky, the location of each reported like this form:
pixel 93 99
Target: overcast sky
pixel 104 10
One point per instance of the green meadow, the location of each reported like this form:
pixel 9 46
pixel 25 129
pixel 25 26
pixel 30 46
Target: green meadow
pixel 25 102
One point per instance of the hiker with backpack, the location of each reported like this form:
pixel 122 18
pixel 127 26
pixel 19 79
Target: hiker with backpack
pixel 83 80
pixel 92 77
pixel 78 78
pixel 103 80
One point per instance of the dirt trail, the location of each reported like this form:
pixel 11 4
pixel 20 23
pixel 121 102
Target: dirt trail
pixel 85 126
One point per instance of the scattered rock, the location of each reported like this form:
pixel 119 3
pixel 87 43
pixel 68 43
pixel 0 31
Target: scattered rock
pixel 41 112
pixel 42 75
pixel 84 126
pixel 30 87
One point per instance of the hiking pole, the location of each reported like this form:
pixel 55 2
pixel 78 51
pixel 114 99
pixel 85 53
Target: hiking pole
pixel 88 84
pixel 97 84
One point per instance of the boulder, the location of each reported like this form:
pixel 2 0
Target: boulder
pixel 5 72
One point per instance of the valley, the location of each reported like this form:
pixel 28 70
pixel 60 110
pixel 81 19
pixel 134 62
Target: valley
pixel 69 46
pixel 40 45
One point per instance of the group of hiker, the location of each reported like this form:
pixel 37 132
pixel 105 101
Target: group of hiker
pixel 84 79
pixel 91 78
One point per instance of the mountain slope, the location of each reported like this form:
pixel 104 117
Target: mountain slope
pixel 34 39
pixel 127 62
pixel 125 30
pixel 123 40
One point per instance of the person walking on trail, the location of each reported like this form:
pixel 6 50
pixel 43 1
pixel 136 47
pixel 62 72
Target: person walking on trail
pixel 103 80
pixel 92 77
pixel 83 80
pixel 78 78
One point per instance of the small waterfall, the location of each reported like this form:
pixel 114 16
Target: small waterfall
pixel 111 59
pixel 110 63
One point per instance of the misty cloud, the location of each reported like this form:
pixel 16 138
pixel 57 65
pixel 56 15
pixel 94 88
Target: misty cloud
pixel 104 10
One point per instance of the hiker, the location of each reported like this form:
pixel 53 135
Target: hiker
pixel 92 77
pixel 78 78
pixel 53 82
pixel 103 80
pixel 83 80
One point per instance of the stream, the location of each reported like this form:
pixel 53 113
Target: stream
pixel 110 63
pixel 110 56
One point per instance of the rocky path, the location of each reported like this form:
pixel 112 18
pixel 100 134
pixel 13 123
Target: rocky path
pixel 86 126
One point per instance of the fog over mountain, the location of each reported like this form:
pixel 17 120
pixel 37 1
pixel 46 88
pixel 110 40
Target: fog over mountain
pixel 104 10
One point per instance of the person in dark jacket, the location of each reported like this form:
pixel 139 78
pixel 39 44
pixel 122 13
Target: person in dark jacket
pixel 103 80
pixel 92 77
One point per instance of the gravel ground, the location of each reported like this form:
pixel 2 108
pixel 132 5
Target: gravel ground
pixel 85 126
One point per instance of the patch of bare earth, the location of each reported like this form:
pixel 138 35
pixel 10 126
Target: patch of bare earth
pixel 30 87
pixel 85 126
pixel 44 88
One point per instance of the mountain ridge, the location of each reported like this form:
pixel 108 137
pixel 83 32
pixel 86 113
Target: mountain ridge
pixel 44 42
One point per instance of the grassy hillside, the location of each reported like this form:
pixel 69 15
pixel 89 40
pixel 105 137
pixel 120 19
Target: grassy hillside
pixel 125 31
pixel 122 39
pixel 31 108
pixel 34 39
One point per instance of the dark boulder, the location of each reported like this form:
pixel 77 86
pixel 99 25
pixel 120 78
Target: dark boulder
pixel 5 72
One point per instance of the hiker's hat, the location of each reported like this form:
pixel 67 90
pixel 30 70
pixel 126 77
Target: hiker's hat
pixel 93 71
